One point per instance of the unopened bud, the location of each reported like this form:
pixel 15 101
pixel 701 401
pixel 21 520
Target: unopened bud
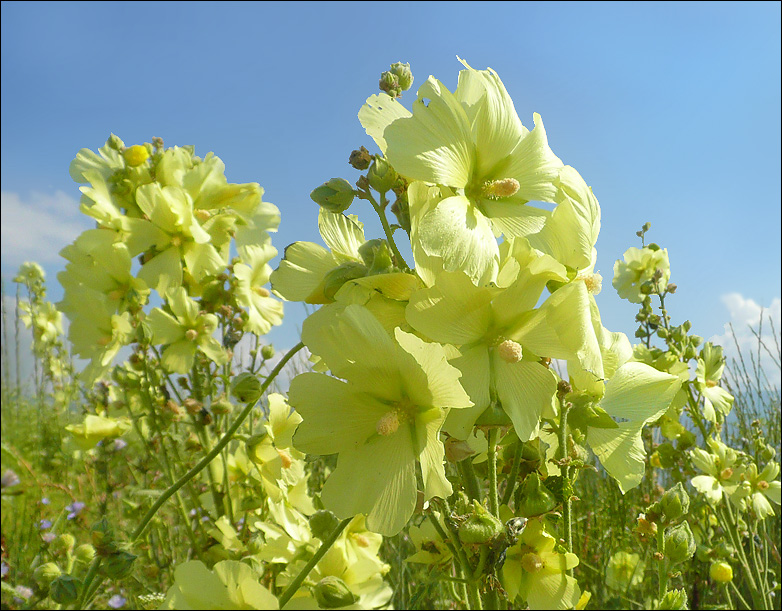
pixel 115 142
pixel 118 565
pixel 84 553
pixel 46 574
pixel 381 175
pixel 721 572
pixel 389 82
pixel 679 543
pixel 376 256
pixel 63 544
pixel 674 600
pixel 671 288
pixel 246 388
pixel 675 503
pixel 536 499
pixel 267 351
pixel 480 526
pixel 336 195
pixel 222 406
pixel 403 74
pixel 331 592
pixel 337 277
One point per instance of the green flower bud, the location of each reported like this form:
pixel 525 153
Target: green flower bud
pixel 360 158
pixel 331 592
pixel 222 406
pixel 480 526
pixel 662 332
pixel 721 572
pixel 63 544
pixel 84 553
pixel 535 497
pixel 115 142
pixel 336 195
pixel 403 74
pixel 381 175
pixel 323 523
pixel 350 270
pixel 653 247
pixel 389 82
pixel 267 351
pixel 675 503
pixel 679 543
pixel 674 599
pixel 65 590
pixel 246 388
pixel 46 574
pixel 686 440
pixel 377 256
pixel 118 565
pixel 647 288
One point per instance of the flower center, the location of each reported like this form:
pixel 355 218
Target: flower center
pixel 593 282
pixel 191 334
pixel 762 485
pixel 388 423
pixel 504 187
pixel 510 351
pixel 726 473
pixel 260 291
pixel 532 563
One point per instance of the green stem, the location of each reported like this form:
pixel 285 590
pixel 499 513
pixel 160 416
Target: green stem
pixel 473 594
pixel 662 567
pixel 738 594
pixel 381 212
pixel 226 438
pixel 471 485
pixel 494 505
pixel 324 547
pixel 566 503
pixel 514 474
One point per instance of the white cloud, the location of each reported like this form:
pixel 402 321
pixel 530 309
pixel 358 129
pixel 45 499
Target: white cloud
pixel 37 227
pixel 746 316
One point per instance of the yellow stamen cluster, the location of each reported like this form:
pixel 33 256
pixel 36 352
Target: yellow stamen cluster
pixel 203 215
pixel 135 155
pixel 532 563
pixel 361 540
pixel 191 334
pixel 501 188
pixel 261 291
pixel 176 241
pixel 388 423
pixel 593 282
pixel 762 485
pixel 510 351
pixel 726 473
pixel 285 458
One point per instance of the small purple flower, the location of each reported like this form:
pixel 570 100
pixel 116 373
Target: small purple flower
pixel 48 537
pixel 4 568
pixel 9 479
pixel 117 601
pixel 75 509
pixel 120 444
pixel 45 500
pixel 23 592
pixel 44 524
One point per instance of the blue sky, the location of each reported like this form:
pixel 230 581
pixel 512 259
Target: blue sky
pixel 671 112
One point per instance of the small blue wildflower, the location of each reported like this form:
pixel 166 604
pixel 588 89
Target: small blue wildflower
pixel 44 524
pixel 75 509
pixel 117 601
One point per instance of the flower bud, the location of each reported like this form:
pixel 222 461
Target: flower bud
pixel 331 592
pixel 246 388
pixel 323 523
pixel 535 497
pixel 337 277
pixel 115 142
pixel 222 406
pixel 721 572
pixel 377 256
pixel 46 574
pixel 135 155
pixel 679 543
pixel 118 565
pixel 336 195
pixel 389 82
pixel 63 544
pixel 84 553
pixel 267 352
pixel 192 406
pixel 360 158
pixel 674 599
pixel 403 74
pixel 65 590
pixel 675 503
pixel 480 526
pixel 381 175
